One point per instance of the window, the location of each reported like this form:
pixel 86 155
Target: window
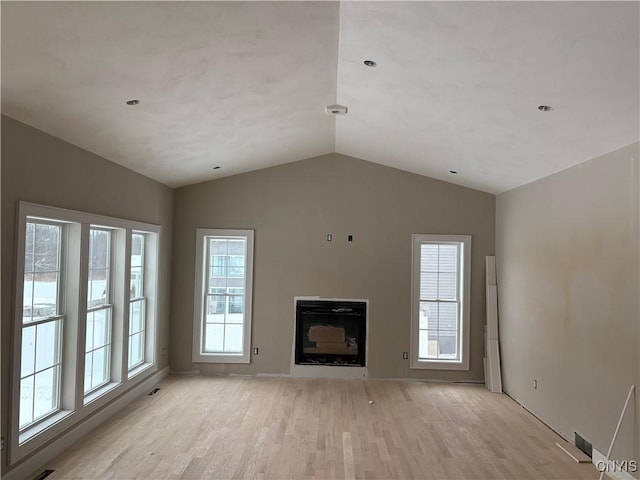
pixel 137 311
pixel 97 369
pixel 42 320
pixel 222 320
pixel 440 302
pixel 81 334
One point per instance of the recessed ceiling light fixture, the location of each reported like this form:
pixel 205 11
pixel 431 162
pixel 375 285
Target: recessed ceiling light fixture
pixel 133 102
pixel 370 63
pixel 545 108
pixel 453 172
pixel 216 168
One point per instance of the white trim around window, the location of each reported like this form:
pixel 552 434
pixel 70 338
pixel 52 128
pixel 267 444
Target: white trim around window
pixel 223 296
pixel 53 284
pixel 440 302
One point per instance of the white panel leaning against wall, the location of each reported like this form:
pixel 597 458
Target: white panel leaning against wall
pixel 85 317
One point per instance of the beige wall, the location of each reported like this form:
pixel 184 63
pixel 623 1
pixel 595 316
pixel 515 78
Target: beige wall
pixel 39 168
pixel 567 250
pixel 568 261
pixel 292 208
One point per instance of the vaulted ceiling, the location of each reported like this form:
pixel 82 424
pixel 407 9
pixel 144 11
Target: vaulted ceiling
pixel 244 85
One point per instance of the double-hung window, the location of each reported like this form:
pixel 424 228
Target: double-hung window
pixel 440 302
pixel 42 322
pixel 137 301
pixel 97 363
pixel 81 335
pixel 222 320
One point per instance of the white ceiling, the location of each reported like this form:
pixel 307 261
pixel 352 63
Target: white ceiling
pixel 243 85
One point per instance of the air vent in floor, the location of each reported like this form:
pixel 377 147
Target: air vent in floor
pixel 583 445
pixel 44 475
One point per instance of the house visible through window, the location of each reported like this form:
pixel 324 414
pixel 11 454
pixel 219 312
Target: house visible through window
pixel 223 295
pixel 227 265
pixel 440 316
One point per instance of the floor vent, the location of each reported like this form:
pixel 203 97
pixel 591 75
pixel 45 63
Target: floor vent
pixel 154 391
pixel 583 445
pixel 44 475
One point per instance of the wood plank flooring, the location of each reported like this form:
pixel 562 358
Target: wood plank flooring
pixel 286 428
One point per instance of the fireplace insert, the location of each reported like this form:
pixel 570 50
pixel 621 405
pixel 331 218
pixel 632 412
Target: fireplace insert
pixel 331 332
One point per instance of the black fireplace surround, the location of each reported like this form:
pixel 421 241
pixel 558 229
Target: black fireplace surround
pixel 331 333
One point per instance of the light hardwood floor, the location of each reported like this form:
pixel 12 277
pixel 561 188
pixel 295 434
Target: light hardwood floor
pixel 285 428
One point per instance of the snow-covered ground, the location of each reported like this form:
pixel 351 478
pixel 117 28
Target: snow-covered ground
pixel 40 349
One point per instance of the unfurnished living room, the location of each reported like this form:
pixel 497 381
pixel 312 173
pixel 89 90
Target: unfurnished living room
pixel 320 240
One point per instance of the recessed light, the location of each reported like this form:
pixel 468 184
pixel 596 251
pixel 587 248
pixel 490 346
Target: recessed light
pixel 545 108
pixel 216 168
pixel 370 63
pixel 453 171
pixel 133 102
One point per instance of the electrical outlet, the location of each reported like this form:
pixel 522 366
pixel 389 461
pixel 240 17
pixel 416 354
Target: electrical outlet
pixel 405 355
pixel 255 350
pixel 164 352
pixel 535 384
pixel 1 443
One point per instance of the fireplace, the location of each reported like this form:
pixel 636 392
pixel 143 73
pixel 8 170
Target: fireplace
pixel 331 333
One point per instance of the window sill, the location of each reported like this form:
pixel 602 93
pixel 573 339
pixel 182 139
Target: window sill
pixel 139 369
pixel 32 432
pixel 93 396
pixel 221 358
pixel 438 365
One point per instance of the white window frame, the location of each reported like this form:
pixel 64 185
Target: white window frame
pixel 141 298
pixel 464 286
pixel 74 405
pixel 108 308
pixel 198 354
pixel 151 275
pixel 58 316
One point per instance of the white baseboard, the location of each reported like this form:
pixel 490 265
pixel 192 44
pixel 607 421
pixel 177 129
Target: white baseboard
pixel 39 459
pixel 185 372
pixel 432 380
pixel 599 457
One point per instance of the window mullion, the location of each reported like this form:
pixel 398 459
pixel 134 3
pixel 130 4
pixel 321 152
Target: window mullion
pixel 82 312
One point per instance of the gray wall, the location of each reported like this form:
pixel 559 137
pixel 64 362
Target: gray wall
pixel 39 168
pixel 568 261
pixel 292 208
